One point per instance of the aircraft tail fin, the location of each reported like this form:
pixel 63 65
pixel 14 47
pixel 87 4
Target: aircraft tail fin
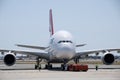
pixel 51 29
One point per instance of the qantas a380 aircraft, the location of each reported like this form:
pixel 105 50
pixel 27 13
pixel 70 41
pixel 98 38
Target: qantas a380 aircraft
pixel 61 49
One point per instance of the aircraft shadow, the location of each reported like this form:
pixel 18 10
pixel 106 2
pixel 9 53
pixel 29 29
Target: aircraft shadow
pixel 53 69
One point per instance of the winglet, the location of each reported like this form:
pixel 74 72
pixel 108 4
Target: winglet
pixel 51 30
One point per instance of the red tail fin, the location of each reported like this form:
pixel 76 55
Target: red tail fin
pixel 51 30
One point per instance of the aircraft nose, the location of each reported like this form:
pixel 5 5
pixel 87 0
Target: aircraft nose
pixel 66 51
pixel 67 48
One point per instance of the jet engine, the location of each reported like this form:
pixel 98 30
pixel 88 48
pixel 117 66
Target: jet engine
pixel 9 59
pixel 108 58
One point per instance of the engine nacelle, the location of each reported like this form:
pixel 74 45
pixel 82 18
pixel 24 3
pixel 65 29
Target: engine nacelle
pixel 108 58
pixel 9 59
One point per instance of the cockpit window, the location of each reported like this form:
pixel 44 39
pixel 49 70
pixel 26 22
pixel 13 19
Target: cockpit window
pixel 65 41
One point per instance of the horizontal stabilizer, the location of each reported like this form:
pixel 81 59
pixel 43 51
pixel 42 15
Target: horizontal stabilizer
pixel 80 45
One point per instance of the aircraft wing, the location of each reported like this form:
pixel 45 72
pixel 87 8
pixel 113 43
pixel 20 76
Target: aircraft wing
pixel 33 47
pixel 43 55
pixel 96 52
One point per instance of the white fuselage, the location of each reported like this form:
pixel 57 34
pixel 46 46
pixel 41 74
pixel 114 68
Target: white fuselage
pixel 61 46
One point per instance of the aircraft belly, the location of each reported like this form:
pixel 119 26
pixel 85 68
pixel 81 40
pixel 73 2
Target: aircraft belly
pixel 59 55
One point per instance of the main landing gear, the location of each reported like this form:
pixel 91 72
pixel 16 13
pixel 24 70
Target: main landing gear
pixel 64 66
pixel 38 65
pixel 48 66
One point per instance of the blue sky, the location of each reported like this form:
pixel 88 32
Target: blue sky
pixel 94 22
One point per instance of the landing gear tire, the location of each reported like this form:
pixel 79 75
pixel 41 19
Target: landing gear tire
pixel 48 66
pixel 39 67
pixel 62 67
pixel 36 66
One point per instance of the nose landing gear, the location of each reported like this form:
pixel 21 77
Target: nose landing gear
pixel 76 60
pixel 64 67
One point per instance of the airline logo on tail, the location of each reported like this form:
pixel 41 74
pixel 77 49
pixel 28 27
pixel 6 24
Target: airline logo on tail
pixel 51 30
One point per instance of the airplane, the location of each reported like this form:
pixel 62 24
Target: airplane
pixel 61 49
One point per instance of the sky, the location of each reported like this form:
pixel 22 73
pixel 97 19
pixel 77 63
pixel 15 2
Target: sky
pixel 93 22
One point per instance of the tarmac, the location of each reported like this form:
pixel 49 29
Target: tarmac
pixel 27 72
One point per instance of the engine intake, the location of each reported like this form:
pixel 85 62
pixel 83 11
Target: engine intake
pixel 9 59
pixel 108 58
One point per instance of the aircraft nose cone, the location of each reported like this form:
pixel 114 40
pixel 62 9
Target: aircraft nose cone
pixel 67 47
pixel 66 51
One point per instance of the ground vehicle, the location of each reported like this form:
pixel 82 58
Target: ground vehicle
pixel 77 67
